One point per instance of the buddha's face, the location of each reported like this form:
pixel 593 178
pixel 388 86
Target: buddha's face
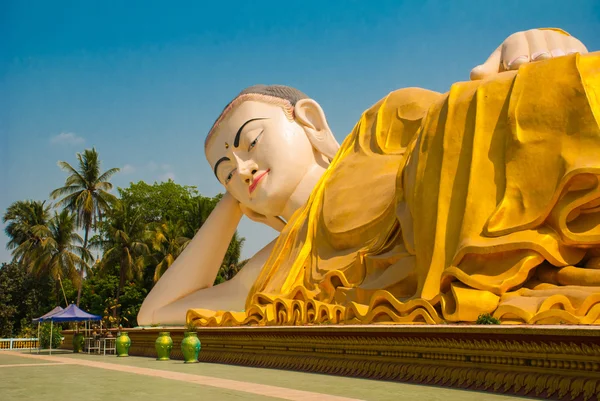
pixel 260 156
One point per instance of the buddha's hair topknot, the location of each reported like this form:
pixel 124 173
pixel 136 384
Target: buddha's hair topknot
pixel 280 95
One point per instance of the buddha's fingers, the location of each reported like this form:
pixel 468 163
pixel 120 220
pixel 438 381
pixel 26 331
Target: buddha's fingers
pixel 538 46
pixel 525 47
pixel 515 50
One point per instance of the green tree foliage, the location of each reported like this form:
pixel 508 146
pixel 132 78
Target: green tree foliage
pixel 197 213
pixel 165 201
pixel 59 250
pixel 97 289
pixel 85 194
pixel 173 214
pixel 45 246
pixel 168 241
pixel 231 263
pixel 124 245
pixel 131 301
pixel 23 297
pixel 139 234
pixel 24 220
pixel 46 330
pixel 10 282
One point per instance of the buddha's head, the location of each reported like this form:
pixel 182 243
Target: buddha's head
pixel 265 142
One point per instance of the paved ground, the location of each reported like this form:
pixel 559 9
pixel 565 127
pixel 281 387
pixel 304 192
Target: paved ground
pixel 66 376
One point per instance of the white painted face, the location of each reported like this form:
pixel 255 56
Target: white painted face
pixel 260 156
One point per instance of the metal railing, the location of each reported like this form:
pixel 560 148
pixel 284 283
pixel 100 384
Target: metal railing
pixel 7 344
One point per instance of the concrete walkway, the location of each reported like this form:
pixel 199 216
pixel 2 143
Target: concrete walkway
pixel 72 376
pixel 253 388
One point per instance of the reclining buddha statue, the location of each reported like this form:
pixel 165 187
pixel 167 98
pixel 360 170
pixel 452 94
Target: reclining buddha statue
pixel 436 208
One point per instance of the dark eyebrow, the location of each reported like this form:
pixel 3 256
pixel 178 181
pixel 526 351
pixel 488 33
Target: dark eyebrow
pixel 222 159
pixel 236 141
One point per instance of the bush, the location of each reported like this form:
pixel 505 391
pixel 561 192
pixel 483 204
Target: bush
pixel 27 330
pixel 45 335
pixel 486 318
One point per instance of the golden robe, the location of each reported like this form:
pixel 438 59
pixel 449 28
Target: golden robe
pixel 443 207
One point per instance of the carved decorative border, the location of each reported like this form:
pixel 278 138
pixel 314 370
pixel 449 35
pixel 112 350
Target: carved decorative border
pixel 560 364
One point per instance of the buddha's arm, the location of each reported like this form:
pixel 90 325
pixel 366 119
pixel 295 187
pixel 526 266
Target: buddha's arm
pixel 199 263
pixel 230 295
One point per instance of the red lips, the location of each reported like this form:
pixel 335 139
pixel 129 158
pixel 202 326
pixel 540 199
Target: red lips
pixel 256 181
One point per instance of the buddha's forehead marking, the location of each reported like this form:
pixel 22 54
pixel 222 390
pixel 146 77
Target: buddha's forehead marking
pixel 236 141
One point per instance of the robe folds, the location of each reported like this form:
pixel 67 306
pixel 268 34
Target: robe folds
pixel 442 207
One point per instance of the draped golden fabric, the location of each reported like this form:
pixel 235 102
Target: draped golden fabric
pixel 442 207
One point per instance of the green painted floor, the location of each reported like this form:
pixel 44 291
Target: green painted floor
pixel 16 360
pixel 73 382
pixel 68 382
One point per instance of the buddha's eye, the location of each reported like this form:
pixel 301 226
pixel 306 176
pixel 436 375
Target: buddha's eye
pixel 229 177
pixel 254 142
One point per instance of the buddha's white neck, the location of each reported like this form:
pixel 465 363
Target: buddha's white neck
pixel 304 189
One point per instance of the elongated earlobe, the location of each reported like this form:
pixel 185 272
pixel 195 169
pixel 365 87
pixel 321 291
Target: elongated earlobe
pixel 311 117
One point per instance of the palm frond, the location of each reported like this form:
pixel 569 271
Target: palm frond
pixel 160 270
pixel 69 201
pixel 64 191
pixel 69 169
pixel 140 248
pixel 75 181
pixel 107 174
pixel 106 198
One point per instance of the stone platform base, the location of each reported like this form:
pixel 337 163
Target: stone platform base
pixel 546 362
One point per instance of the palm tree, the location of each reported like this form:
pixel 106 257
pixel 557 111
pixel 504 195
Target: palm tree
pixel 198 213
pixel 168 240
pixel 59 250
pixel 85 194
pixel 124 245
pixel 231 262
pixel 25 220
pixel 234 251
pixel 228 271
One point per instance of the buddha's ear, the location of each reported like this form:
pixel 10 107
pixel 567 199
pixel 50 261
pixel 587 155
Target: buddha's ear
pixel 311 117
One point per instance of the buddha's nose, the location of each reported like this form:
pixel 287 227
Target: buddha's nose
pixel 246 169
pixel 252 176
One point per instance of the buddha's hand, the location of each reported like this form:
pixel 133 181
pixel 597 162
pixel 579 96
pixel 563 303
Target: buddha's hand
pixel 525 47
pixel 272 221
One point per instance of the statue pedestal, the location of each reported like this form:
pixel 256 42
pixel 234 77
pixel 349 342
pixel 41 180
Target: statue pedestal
pixel 545 362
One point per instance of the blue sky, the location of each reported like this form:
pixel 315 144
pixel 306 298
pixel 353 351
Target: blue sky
pixel 142 81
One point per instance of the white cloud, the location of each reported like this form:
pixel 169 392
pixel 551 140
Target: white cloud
pixel 128 169
pixel 166 176
pixel 68 138
pixel 164 171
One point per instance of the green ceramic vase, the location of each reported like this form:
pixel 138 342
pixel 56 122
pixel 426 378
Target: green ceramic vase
pixel 190 347
pixel 123 343
pixel 163 345
pixel 78 341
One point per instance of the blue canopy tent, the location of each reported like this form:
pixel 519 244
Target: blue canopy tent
pixel 71 314
pixel 52 312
